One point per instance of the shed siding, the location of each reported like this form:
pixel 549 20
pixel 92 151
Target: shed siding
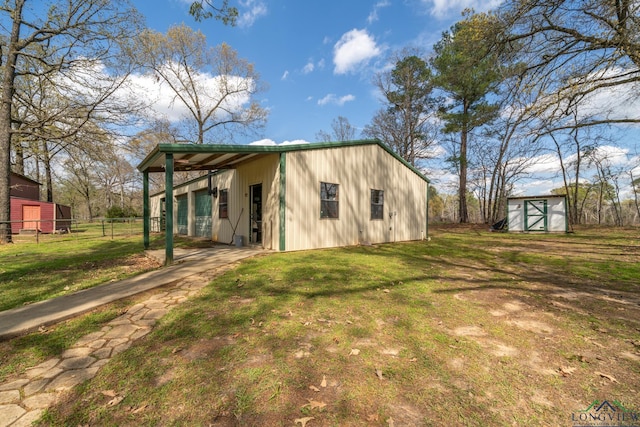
pixel 47 219
pixel 556 213
pixel 24 187
pixel 357 170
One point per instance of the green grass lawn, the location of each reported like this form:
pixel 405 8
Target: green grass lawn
pixel 471 328
pixel 59 264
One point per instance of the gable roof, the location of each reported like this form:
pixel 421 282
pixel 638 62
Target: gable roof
pixel 24 178
pixel 192 157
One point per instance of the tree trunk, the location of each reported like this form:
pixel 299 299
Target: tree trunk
pixel 19 166
pixel 463 213
pixel 5 122
pixel 46 160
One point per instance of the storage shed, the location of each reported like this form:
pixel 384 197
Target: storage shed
pixel 537 214
pixel 29 214
pixel 290 197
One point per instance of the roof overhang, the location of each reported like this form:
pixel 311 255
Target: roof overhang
pixel 192 157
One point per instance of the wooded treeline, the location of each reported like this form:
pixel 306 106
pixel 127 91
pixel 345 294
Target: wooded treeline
pixel 504 93
pixel 500 94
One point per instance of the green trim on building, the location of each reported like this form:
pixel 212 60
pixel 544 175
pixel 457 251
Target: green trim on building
pixel 283 200
pixel 536 214
pixel 258 149
pixel 426 233
pixel 169 209
pixel 566 215
pixel 146 220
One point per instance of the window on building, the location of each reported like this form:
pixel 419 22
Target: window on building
pixel 377 204
pixel 328 200
pixel 223 204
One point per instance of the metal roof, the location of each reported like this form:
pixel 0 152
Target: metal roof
pixel 192 157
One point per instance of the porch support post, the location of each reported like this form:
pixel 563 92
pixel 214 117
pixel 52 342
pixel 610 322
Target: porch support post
pixel 146 221
pixel 168 191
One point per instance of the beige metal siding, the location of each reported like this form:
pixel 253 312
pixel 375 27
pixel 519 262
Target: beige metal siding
pixel 265 171
pixel 357 170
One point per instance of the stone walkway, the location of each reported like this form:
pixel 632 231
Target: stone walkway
pixel 23 400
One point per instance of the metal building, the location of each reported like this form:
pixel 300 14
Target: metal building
pixel 288 197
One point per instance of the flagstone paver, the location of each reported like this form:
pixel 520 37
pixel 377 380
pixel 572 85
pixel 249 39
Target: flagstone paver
pixel 23 400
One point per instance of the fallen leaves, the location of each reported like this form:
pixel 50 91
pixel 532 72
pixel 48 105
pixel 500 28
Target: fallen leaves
pixel 609 377
pixel 379 374
pixel 354 352
pixel 565 371
pixel 323 384
pixel 303 421
pixel 115 401
pixel 314 404
pixel 115 397
pixel 314 388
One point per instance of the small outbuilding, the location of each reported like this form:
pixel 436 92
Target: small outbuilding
pixel 288 197
pixel 29 214
pixel 537 214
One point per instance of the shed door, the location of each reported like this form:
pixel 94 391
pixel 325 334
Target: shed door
pixel 183 215
pixel 30 216
pixel 203 214
pixel 535 215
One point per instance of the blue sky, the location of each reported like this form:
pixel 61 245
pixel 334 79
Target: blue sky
pixel 318 57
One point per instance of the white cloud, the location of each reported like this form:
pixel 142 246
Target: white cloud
pixel 546 163
pixel 271 142
pixel 166 105
pixel 285 75
pixel 308 68
pixel 616 102
pixel 373 16
pixel 254 10
pixel 333 99
pixel 295 142
pixel 354 48
pixel 265 141
pixel 445 8
pixel 538 187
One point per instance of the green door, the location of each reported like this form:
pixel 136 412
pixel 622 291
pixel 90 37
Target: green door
pixel 535 215
pixel 183 214
pixel 203 214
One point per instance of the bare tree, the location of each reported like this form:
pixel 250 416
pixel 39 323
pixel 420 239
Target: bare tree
pixel 341 130
pixel 57 39
pixel 587 46
pixel 214 85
